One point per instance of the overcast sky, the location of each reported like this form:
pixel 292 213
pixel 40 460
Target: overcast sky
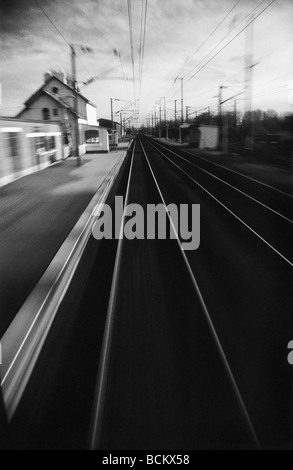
pixel 181 36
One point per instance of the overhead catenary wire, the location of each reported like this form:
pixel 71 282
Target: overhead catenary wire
pixel 187 79
pixel 257 61
pixel 277 89
pixel 141 36
pixel 229 42
pixel 64 38
pixel 131 45
pixel 105 36
pixel 227 34
pixel 219 24
pixel 52 23
pixel 124 76
pixel 209 36
pixel 273 51
pixel 258 93
pixel 143 47
pixel 143 40
pixel 109 42
pixel 260 60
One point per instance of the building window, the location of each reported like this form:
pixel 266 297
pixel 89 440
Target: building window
pixel 55 112
pixel 39 144
pixel 46 114
pixel 55 90
pixel 92 137
pixel 50 143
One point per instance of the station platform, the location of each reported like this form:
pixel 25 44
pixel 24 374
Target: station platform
pixel 37 213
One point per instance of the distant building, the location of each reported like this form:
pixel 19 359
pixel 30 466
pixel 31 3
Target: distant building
pixel 201 136
pixel 54 101
pixel 109 125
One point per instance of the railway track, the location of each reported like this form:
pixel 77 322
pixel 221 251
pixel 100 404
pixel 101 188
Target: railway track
pixel 155 347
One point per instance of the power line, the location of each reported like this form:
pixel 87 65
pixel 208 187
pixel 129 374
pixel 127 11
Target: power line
pixel 124 76
pixel 223 39
pixel 234 75
pixel 229 42
pixel 206 40
pixel 279 76
pixel 250 13
pixel 143 39
pixel 64 39
pixel 272 52
pixel 131 45
pixel 109 42
pixel 141 36
pixel 280 88
pixel 143 47
pixel 259 93
pixel 89 18
pixel 52 23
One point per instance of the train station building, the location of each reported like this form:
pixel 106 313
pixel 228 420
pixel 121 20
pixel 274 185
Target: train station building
pixel 54 101
pixel 44 131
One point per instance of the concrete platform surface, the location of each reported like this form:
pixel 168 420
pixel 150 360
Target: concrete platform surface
pixel 37 213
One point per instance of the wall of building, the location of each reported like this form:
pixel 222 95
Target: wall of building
pixel 109 125
pixel 27 146
pixel 91 113
pixel 66 95
pixel 209 137
pixel 96 139
pixel 35 113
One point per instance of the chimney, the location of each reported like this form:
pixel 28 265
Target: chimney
pixel 47 75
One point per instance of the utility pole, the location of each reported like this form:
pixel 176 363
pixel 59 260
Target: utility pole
pixel 182 117
pixel 221 117
pixel 220 101
pixel 164 105
pixel 152 124
pixel 235 114
pixel 124 124
pixel 248 84
pixel 112 120
pixel 160 121
pixel 182 110
pixel 121 124
pixel 167 124
pixel 112 123
pixel 187 112
pixel 165 116
pixel 76 123
pixel 225 134
pixel 175 120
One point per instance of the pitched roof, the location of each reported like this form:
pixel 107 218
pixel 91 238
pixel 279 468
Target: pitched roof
pixel 42 88
pixel 62 103
pixel 56 99
pixel 108 123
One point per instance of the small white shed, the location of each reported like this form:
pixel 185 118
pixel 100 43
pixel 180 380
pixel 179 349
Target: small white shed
pixel 209 137
pixel 96 139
